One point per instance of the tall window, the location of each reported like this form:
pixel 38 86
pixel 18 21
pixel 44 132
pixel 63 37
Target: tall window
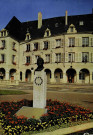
pixel 28 59
pixel 91 41
pixel 58 43
pixel 85 41
pixel 71 42
pixel 47 58
pixel 13 60
pixel 85 57
pixel 3 43
pixel 58 57
pixel 45 45
pixel 35 46
pixel 14 46
pixel 2 58
pixel 71 57
pixel 36 57
pixel 28 47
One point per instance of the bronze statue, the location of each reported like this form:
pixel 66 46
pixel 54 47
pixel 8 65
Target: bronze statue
pixel 40 63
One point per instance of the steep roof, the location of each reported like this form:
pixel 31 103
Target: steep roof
pixel 56 25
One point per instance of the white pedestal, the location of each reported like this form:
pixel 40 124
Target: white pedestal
pixel 39 89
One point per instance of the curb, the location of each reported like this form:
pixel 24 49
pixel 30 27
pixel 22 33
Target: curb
pixel 69 130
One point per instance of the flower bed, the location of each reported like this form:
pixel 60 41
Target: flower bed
pixel 58 113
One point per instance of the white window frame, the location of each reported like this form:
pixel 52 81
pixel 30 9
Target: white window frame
pixel 47 58
pixel 71 57
pixel 85 57
pixel 85 41
pixel 71 42
pixel 58 57
pixel 58 43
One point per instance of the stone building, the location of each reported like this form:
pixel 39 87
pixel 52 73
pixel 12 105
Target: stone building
pixel 65 43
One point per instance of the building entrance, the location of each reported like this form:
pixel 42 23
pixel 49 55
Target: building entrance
pixel 70 75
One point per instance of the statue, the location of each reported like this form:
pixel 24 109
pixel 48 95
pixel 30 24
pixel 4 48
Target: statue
pixel 40 63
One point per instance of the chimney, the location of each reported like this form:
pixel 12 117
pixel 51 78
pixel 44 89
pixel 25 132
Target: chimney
pixel 66 18
pixel 39 20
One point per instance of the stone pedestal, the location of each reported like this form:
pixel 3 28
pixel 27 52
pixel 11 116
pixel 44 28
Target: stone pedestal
pixel 39 89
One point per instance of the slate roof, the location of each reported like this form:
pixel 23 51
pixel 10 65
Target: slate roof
pixel 56 25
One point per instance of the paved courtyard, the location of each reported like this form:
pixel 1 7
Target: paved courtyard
pixel 81 95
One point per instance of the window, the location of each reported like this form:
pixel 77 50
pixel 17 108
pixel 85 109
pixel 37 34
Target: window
pixel 45 45
pixel 58 43
pixel 3 44
pixel 2 58
pixel 35 46
pixel 85 57
pixel 36 57
pixel 92 75
pixel 58 57
pixel 47 33
pixel 13 60
pixel 28 59
pixel 91 41
pixel 71 57
pixel 27 47
pixel 81 23
pixel 71 29
pixel 85 41
pixel 14 46
pixel 71 42
pixel 81 75
pixel 47 58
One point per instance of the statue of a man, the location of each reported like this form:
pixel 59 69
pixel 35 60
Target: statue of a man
pixel 40 63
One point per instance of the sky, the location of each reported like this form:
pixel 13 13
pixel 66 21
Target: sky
pixel 27 10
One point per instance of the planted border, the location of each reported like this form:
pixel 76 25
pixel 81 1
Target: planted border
pixel 58 113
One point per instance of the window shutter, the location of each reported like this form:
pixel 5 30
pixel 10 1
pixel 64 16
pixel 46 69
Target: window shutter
pixel 38 46
pixel 80 41
pixel 30 60
pixel 91 41
pixel 42 45
pixel 4 58
pixel 62 42
pixel 16 59
pixel 53 44
pixel 24 59
pixel 25 47
pixel 76 57
pixel 91 57
pixel 53 57
pixel 32 46
pixel 62 57
pixel 76 41
pixel 50 58
pixel 80 57
pixel 48 44
pixel 66 57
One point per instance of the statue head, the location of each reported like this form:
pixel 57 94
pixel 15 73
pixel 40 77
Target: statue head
pixel 40 63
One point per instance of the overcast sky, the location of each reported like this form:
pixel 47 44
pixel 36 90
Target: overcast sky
pixel 27 10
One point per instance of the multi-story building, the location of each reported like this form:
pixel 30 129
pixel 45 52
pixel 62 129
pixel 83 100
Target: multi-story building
pixel 65 43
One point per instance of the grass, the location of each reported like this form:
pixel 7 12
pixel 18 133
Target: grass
pixel 11 92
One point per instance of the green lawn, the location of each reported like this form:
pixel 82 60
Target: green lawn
pixel 11 92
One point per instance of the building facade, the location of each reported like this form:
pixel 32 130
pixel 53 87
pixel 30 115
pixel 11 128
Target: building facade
pixel 65 43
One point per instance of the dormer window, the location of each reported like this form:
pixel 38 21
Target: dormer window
pixel 81 23
pixel 28 36
pixel 56 25
pixel 47 33
pixel 71 29
pixel 4 33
